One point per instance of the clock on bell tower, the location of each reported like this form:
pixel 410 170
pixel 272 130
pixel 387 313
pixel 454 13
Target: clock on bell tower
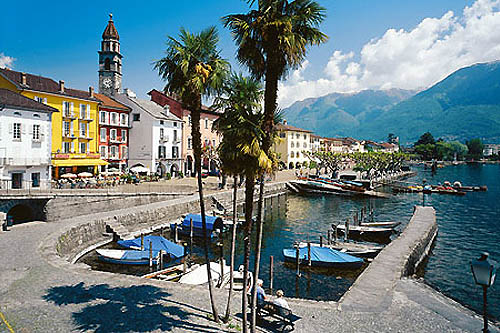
pixel 110 61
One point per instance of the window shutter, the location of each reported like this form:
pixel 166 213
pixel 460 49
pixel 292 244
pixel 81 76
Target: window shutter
pixel 71 128
pixel 88 111
pixel 42 133
pixel 11 126
pixel 72 147
pixel 88 148
pixel 71 107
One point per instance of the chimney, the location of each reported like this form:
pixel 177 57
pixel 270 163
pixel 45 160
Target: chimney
pixel 129 93
pixel 91 92
pixel 61 86
pixel 23 79
pixel 284 121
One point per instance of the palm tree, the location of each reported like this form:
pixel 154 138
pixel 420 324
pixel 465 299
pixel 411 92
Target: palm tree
pixel 272 40
pixel 193 69
pixel 240 153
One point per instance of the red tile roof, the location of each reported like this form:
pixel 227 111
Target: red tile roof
pixel 286 127
pixel 110 102
pixel 110 31
pixel 42 84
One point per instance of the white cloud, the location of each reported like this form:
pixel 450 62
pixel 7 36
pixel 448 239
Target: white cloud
pixel 412 59
pixel 6 61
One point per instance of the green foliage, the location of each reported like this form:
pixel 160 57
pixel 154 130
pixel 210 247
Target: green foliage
pixel 475 147
pixel 425 139
pixel 168 176
pixel 426 151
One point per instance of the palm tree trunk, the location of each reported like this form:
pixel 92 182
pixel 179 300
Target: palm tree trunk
pixel 195 113
pixel 249 189
pixel 258 247
pixel 233 245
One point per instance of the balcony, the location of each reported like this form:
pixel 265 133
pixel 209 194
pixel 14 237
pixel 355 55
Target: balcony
pixel 164 139
pixel 115 140
pixel 69 115
pixel 86 135
pixel 86 118
pixel 114 157
pixel 69 135
pixel 24 161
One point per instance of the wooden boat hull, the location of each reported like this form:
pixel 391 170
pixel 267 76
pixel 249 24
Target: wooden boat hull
pixel 117 257
pixel 380 224
pixel 334 259
pixel 370 234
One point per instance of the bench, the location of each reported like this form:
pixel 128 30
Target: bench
pixel 273 310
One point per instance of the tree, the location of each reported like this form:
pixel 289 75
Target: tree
pixel 272 40
pixel 426 151
pixel 239 125
pixel 425 139
pixel 193 68
pixel 475 147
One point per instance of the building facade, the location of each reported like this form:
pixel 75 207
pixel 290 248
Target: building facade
pixel 155 138
pixel 209 138
pixel 293 145
pixel 25 142
pixel 113 133
pixel 74 127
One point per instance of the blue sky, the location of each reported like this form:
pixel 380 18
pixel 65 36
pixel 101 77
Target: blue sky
pixel 60 39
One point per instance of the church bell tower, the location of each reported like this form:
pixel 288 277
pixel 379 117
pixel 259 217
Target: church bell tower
pixel 110 61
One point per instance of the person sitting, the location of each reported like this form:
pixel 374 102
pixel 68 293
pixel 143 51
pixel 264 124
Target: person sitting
pixel 280 301
pixel 261 294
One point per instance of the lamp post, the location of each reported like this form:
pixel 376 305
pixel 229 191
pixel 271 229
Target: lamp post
pixel 484 275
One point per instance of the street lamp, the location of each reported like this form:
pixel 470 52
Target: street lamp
pixel 484 275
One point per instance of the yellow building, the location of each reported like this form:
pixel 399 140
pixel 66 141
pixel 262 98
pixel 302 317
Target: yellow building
pixel 74 128
pixel 293 145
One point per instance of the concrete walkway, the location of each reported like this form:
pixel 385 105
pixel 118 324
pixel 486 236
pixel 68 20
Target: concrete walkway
pixel 41 292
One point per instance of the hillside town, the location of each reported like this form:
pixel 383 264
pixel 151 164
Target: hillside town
pixel 70 133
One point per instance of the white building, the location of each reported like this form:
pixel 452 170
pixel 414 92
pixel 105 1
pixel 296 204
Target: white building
pixel 293 146
pixel 155 137
pixel 25 142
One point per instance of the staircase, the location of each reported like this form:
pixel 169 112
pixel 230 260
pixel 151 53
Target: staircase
pixel 117 228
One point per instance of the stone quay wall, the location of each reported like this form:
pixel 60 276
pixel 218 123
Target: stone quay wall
pixel 89 230
pixel 372 291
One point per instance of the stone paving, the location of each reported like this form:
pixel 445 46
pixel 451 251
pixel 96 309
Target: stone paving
pixel 41 292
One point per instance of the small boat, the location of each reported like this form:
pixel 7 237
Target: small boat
pixel 157 243
pixel 200 276
pixel 364 250
pixel 375 234
pixel 171 273
pixel 323 257
pixel 459 187
pixel 385 224
pixel 127 257
pixel 215 225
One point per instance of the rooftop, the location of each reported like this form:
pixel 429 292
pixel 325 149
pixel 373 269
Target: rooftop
pixel 110 31
pixel 15 100
pixel 286 127
pixel 110 102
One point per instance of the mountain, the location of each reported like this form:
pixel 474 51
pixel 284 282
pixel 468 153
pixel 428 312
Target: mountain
pixel 464 105
pixel 341 114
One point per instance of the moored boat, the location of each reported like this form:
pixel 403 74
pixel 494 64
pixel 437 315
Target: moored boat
pixel 127 257
pixel 372 234
pixel 323 257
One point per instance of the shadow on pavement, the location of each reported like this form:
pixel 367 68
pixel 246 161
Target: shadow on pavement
pixel 124 309
pixel 268 324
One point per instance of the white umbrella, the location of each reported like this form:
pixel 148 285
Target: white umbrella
pixel 139 169
pixel 113 170
pixel 68 175
pixel 85 175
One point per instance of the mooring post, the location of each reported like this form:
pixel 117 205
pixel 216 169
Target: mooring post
pixel 362 215
pixel 176 234
pixel 320 241
pixel 297 258
pixel 160 260
pixel 190 237
pixel 309 254
pixel 329 237
pixel 184 261
pixel 346 231
pixel 271 273
pixel 142 242
pixel 221 260
pixel 150 254
pixel 161 231
pixel 335 235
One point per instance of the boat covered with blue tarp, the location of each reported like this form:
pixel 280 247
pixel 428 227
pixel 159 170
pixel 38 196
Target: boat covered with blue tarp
pixel 214 223
pixel 157 243
pixel 127 257
pixel 323 257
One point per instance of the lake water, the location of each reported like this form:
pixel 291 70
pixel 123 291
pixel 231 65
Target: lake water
pixel 468 225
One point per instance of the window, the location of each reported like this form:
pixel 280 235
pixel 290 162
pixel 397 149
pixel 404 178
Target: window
pixel 175 135
pixel 161 122
pixel 83 111
pixel 124 136
pixel 305 137
pixel 213 142
pixel 103 135
pixel 36 132
pixel 189 120
pixel 298 154
pixel 103 151
pixel 304 145
pixel 35 179
pixel 103 117
pixel 282 135
pixel 175 124
pixel 162 152
pixel 162 133
pixel 190 143
pixel 124 154
pixel 113 152
pixel 66 147
pixel 107 64
pixel 16 130
pixel 136 117
pixel 206 123
pixel 66 109
pixel 297 136
pixel 292 155
pixel 175 152
pixel 123 119
pixel 66 128
pixel 83 147
pixel 114 118
pixel 83 130
pixel 112 135
pixel 292 144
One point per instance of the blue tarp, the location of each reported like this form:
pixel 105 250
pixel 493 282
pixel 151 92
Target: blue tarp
pixel 138 255
pixel 213 222
pixel 157 242
pixel 322 255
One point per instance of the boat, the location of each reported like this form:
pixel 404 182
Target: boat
pixel 323 257
pixel 376 234
pixel 157 243
pixel 171 273
pixel 364 250
pixel 238 280
pixel 127 257
pixel 326 187
pixel 459 187
pixel 215 225
pixel 385 224
pixel 199 275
